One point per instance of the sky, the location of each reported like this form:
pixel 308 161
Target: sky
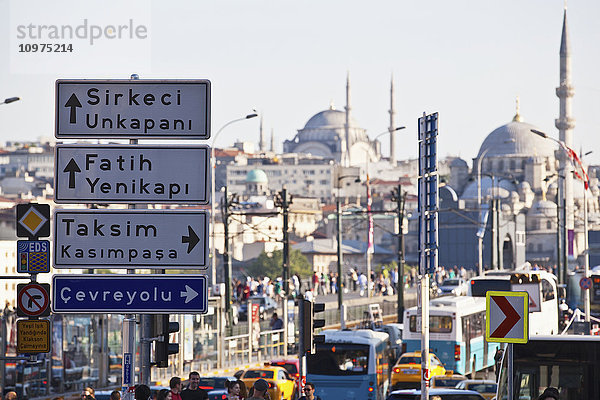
pixel 468 60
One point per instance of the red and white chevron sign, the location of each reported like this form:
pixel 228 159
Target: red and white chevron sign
pixel 507 317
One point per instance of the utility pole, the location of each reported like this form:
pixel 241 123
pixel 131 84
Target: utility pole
pixel 338 213
pixel 400 199
pixel 282 201
pixel 225 205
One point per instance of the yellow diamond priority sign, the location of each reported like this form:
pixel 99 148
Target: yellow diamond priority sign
pixel 33 220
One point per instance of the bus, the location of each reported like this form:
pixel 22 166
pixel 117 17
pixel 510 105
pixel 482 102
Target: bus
pixel 570 363
pixel 456 333
pixel 541 286
pixel 350 365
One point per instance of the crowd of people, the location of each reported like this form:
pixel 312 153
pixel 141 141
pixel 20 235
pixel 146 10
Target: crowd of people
pixel 383 282
pixel 236 390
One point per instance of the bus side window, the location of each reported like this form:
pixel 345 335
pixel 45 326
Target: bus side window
pixel 547 290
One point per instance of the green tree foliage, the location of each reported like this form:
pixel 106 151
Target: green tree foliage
pixel 271 265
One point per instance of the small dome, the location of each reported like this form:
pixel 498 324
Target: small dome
pixel 516 139
pixel 542 208
pixel 257 176
pixel 458 163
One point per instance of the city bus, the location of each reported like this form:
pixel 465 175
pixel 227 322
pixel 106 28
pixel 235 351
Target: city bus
pixel 350 365
pixel 541 286
pixel 456 333
pixel 570 363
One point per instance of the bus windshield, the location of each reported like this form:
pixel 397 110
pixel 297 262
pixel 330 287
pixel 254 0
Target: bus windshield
pixel 480 286
pixel 339 359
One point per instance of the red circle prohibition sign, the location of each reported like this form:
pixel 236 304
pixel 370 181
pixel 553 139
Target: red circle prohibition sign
pixel 33 300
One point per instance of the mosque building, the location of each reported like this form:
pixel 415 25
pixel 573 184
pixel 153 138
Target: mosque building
pixel 524 172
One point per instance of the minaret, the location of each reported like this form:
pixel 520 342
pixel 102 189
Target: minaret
pixel 272 141
pixel 565 122
pixel 261 142
pixel 392 127
pixel 346 158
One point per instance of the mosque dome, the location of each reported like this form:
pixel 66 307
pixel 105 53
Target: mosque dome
pixel 330 118
pixel 516 139
pixel 256 176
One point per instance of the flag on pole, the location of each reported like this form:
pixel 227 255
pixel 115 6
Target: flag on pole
pixel 370 245
pixel 579 170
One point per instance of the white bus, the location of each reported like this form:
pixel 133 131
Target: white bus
pixel 456 333
pixel 541 286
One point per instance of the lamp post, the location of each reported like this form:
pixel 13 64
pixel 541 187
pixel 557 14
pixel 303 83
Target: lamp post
pixel 213 164
pixel 480 238
pixel 10 100
pixel 562 273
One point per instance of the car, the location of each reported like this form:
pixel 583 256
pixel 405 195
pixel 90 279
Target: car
pixel 453 286
pixel 281 385
pixel 486 388
pixel 406 373
pixel 213 382
pixel 435 394
pixel 292 366
pixel 266 306
pixel 219 391
pixel 450 380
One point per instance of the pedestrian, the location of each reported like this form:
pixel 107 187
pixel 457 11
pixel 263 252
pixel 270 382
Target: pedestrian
pixel 164 394
pixel 362 283
pixel 175 385
pixel 276 322
pixel 11 396
pixel 308 295
pixel 193 392
pixel 235 391
pixel 115 395
pixel 309 392
pixel 142 392
pixel 549 393
pixel 260 390
pixel 88 391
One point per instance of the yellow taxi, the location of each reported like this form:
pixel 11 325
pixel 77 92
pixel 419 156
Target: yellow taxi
pixel 406 374
pixel 449 380
pixel 281 384
pixel 485 388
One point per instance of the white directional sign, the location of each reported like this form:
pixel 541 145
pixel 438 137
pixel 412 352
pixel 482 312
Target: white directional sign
pixel 131 174
pixel 133 109
pixel 130 239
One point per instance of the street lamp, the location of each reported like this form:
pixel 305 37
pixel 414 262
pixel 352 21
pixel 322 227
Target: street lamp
pixel 389 131
pixel 480 237
pixel 213 164
pixel 10 100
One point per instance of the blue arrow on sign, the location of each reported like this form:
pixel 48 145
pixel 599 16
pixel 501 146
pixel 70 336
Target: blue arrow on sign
pixel 129 294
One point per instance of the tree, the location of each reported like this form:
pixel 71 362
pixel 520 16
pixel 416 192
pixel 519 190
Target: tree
pixel 271 265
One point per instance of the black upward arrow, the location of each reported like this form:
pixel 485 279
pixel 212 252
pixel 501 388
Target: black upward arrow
pixel 191 239
pixel 71 168
pixel 73 102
